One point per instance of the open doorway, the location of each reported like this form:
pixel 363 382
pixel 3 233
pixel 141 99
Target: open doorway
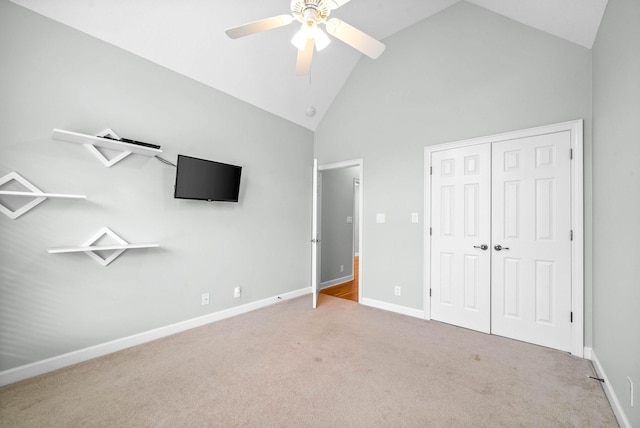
pixel 339 192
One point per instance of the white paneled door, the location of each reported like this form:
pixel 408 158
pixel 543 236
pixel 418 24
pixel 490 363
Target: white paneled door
pixel 501 238
pixel 531 239
pixel 315 237
pixel 461 234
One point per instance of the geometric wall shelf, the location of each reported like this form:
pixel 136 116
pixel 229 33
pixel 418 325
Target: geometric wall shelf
pixel 93 251
pixel 33 193
pixel 101 157
pixel 92 143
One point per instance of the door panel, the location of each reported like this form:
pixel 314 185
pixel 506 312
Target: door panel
pixel 315 236
pixel 461 209
pixel 531 217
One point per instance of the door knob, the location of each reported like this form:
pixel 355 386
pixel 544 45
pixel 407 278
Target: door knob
pixel 500 248
pixel 482 247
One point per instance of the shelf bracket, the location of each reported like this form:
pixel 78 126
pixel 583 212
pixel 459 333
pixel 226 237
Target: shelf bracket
pixel 102 158
pixel 20 179
pixel 105 231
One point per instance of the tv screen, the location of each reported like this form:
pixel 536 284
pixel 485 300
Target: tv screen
pixel 206 180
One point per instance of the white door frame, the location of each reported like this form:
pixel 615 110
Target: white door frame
pixel 577 216
pixel 348 164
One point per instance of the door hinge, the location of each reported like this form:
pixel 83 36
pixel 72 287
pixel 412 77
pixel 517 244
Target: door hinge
pixel 429 292
pixel 430 170
pixel 572 235
pixel 570 153
pixel 572 316
pixel 430 231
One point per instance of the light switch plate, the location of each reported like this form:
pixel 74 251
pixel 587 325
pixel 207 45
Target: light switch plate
pixel 380 218
pixel 414 217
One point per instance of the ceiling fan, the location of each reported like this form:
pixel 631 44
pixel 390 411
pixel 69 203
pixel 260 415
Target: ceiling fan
pixel 312 13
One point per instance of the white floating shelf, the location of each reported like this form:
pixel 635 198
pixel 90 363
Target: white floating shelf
pixel 89 249
pixel 93 141
pixel 34 192
pixel 99 248
pixel 42 195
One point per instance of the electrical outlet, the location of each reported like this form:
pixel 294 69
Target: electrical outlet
pixel 630 391
pixel 397 290
pixel 236 292
pixel 341 268
pixel 205 299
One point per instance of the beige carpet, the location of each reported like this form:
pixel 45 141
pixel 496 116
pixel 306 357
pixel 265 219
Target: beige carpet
pixel 341 365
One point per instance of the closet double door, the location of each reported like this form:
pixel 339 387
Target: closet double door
pixel 501 238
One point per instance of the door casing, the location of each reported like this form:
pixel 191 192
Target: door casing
pixel 577 216
pixel 339 165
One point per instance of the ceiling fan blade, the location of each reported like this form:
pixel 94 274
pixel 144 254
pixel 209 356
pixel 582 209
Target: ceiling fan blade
pixel 355 38
pixel 258 26
pixel 334 4
pixel 303 63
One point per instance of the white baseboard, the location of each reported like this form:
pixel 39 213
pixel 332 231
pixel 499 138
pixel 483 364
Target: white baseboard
pixel 588 352
pixel 417 313
pixel 40 367
pixel 336 281
pixel 611 394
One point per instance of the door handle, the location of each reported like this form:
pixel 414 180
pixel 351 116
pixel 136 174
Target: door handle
pixel 500 248
pixel 483 247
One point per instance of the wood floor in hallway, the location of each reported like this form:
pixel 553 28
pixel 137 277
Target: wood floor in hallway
pixel 346 290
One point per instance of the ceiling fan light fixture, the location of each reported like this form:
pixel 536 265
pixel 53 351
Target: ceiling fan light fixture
pixel 310 31
pixel 322 40
pixel 299 40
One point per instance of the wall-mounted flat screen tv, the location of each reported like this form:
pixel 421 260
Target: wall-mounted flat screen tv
pixel 206 180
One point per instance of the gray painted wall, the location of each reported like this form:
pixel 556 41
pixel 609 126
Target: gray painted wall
pixel 337 235
pixel 463 73
pixel 55 77
pixel 616 200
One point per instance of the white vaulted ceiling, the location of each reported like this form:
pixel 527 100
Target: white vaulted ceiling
pixel 188 37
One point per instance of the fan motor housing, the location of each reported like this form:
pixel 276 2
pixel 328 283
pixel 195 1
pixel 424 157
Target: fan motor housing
pixel 305 10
